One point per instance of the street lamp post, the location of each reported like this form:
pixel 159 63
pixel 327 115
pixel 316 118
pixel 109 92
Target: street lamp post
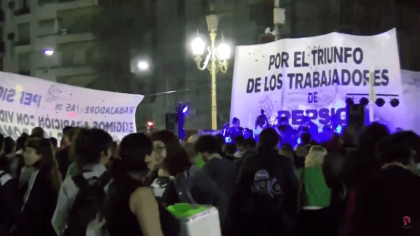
pixel 218 59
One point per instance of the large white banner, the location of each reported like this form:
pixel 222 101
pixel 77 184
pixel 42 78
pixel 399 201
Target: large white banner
pixel 411 96
pixel 28 102
pixel 314 76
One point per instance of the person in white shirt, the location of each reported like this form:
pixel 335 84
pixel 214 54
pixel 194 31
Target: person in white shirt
pixel 92 150
pixel 240 145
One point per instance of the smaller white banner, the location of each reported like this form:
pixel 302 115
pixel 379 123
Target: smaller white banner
pixel 28 102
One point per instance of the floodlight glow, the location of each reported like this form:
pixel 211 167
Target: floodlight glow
pixel 143 65
pixel 48 52
pixel 185 109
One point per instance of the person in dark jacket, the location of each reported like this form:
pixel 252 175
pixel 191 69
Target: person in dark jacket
pixel 10 203
pixel 221 171
pixel 390 197
pixel 42 192
pixel 251 215
pixel 63 156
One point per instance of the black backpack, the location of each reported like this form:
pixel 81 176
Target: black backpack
pixel 89 203
pixel 266 192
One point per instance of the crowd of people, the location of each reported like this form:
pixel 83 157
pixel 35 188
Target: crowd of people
pixel 355 184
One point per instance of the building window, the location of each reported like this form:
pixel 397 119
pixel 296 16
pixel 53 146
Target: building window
pixel 23 34
pixel 181 8
pixel 24 63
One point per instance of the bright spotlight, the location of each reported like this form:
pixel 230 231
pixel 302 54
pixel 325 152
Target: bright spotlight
pixel 142 65
pixel 48 52
pixel 185 109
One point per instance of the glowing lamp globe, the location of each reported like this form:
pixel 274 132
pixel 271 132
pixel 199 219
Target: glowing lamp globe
pixel 142 65
pixel 198 46
pixel 224 51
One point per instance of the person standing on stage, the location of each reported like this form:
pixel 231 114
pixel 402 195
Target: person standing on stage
pixel 236 129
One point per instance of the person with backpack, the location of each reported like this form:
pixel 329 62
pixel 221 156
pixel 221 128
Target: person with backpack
pixel 10 203
pixel 131 207
pixel 42 192
pixel 84 194
pixel 266 198
pixel 178 180
pixel 171 161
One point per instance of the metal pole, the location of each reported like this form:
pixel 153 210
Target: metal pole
pixel 213 81
pixel 277 32
pixel 276 26
pixel 371 95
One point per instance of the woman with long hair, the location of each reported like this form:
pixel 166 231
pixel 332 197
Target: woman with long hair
pixel 41 196
pixel 171 159
pixel 91 148
pixel 132 208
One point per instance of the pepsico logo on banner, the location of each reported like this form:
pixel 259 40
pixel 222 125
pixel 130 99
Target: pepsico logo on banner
pixel 314 76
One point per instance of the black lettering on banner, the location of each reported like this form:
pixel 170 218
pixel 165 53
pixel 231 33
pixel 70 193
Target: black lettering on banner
pixel 316 79
pixel 329 78
pixel 299 80
pixel 296 62
pixel 329 54
pixel 257 85
pixel 320 57
pixel 308 82
pixel 272 61
pixel 347 54
pixel 357 81
pixel 279 60
pixel 106 110
pixel 273 81
pixel 284 59
pixel 279 81
pixel 7 94
pixel 314 54
pixel 377 78
pixel 265 85
pixel 6 116
pixel 323 79
pixel 250 86
pixel 28 99
pixel 345 77
pixel 58 107
pixel 358 56
pixel 336 79
pixel 313 97
pixel 304 63
pixel 291 77
pixel 47 123
pixel 366 74
pixel 338 55
pixel 385 78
